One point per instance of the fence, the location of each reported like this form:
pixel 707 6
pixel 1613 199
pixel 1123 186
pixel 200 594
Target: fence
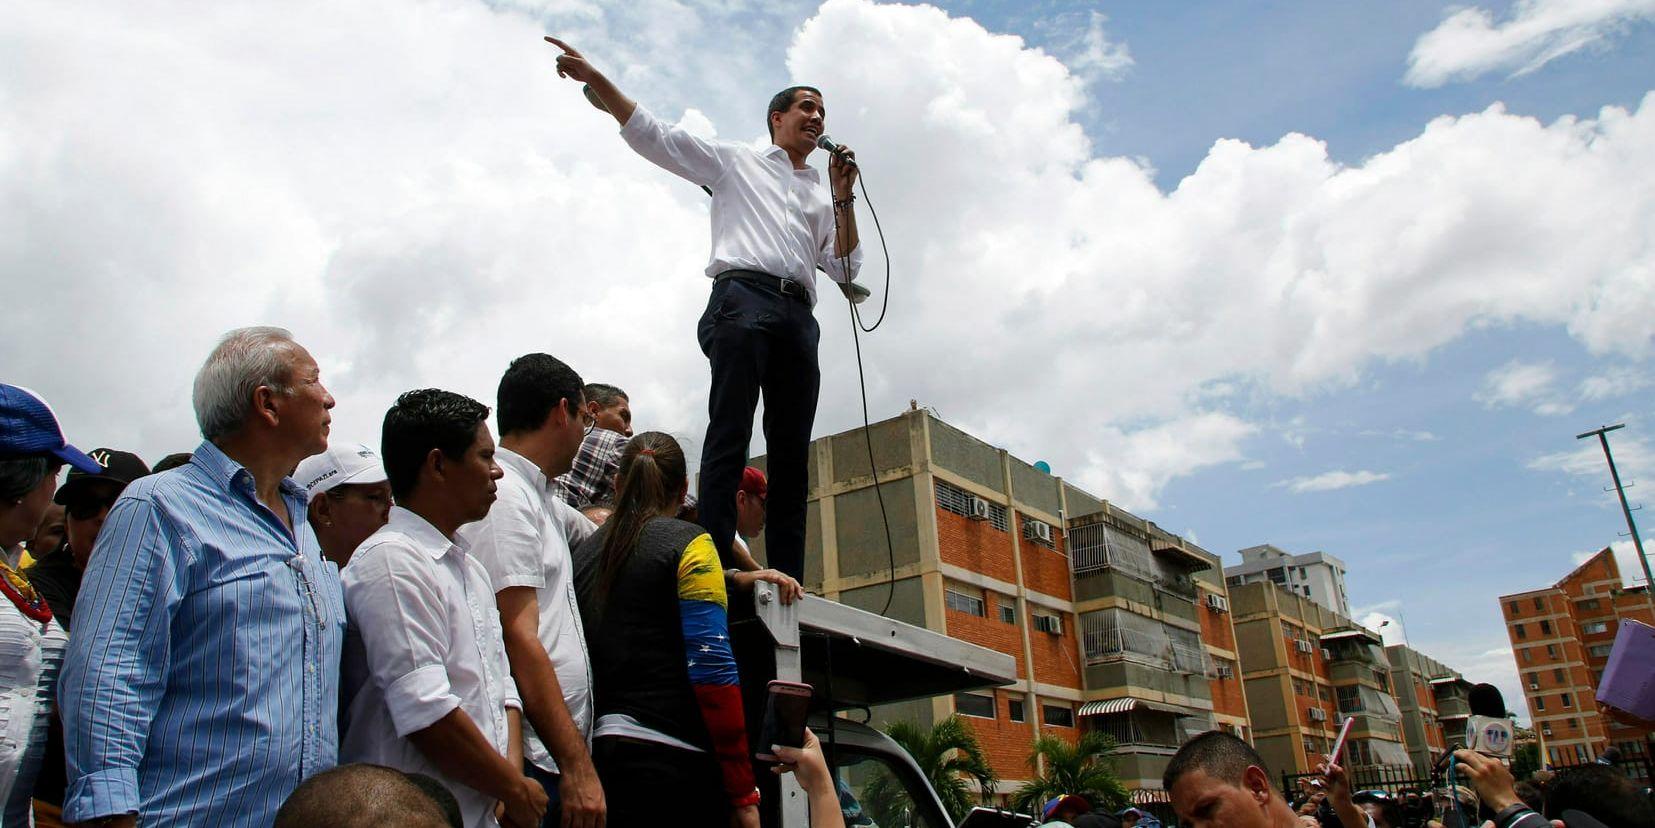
pixel 1400 779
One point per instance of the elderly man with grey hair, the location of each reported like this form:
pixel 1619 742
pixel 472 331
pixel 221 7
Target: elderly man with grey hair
pixel 202 683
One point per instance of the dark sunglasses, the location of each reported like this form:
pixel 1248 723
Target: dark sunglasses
pixel 89 506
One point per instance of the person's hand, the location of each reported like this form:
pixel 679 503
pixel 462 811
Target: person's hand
pixel 807 764
pixel 582 795
pixel 527 807
pixel 1309 821
pixel 1490 777
pixel 1338 784
pixel 786 587
pixel 842 172
pixel 572 64
pixel 745 817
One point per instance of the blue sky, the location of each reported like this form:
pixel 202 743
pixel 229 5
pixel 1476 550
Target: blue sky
pixel 1337 276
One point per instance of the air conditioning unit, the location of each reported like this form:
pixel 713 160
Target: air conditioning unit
pixel 1038 530
pixel 1317 714
pixel 1226 671
pixel 1049 624
pixel 979 508
pixel 1327 655
pixel 1546 730
pixel 1217 603
pixel 1534 685
pixel 1302 644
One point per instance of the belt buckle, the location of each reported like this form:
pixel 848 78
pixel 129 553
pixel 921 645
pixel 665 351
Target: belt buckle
pixel 789 287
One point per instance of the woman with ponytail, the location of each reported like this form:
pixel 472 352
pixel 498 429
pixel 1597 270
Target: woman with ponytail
pixel 670 743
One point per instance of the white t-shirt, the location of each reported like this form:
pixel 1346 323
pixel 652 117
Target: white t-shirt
pixel 525 542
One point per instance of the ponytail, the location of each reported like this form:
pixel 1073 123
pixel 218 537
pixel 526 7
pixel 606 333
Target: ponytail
pixel 652 472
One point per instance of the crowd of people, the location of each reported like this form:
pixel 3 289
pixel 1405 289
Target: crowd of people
pixel 278 622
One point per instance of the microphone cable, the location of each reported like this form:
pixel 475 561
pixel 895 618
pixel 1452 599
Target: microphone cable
pixel 861 378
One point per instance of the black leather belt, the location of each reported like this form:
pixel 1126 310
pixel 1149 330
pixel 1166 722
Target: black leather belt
pixel 776 284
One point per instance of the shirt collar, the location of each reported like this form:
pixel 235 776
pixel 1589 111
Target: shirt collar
pixel 513 461
pixel 774 150
pixel 223 470
pixel 422 534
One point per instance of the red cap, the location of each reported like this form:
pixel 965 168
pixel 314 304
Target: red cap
pixel 754 483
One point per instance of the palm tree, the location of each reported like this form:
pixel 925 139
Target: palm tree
pixel 1085 769
pixel 949 754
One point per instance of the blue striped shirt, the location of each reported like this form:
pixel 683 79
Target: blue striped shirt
pixel 201 684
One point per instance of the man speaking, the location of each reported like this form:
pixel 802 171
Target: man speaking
pixel 773 226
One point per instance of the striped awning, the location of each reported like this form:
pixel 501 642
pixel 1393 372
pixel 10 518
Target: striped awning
pixel 1108 706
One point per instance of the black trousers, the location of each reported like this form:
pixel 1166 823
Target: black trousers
pixel 646 785
pixel 760 343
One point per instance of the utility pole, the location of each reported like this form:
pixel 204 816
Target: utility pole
pixel 1637 542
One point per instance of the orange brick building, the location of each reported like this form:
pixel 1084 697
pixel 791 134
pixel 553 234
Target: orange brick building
pixel 1115 635
pixel 1560 638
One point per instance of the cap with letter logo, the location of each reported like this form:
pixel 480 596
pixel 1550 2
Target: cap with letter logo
pixel 342 463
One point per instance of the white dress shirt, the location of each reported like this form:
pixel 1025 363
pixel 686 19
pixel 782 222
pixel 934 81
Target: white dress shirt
pixel 30 654
pixel 767 216
pixel 525 542
pixel 424 639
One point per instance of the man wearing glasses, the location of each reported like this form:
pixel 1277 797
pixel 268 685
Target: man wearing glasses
pixel 350 497
pixel 524 544
pixel 590 479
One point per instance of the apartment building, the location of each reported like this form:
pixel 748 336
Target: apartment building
pixel 1314 575
pixel 1434 700
pixel 1561 637
pixel 1102 610
pixel 1305 668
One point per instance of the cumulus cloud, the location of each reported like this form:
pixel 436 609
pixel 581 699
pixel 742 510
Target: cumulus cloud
pixel 1405 434
pixel 1089 51
pixel 418 196
pixel 1524 384
pixel 1331 481
pixel 1469 43
pixel 1614 382
pixel 1634 457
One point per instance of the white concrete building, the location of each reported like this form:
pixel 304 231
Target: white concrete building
pixel 1314 575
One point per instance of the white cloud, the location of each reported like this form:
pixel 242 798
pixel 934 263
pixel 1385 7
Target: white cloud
pixel 1469 43
pixel 1330 481
pixel 421 198
pixel 1615 382
pixel 1634 458
pixel 1410 435
pixel 1523 384
pixel 1092 55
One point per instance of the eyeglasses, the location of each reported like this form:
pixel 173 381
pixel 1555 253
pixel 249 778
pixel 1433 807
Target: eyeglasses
pixel 87 507
pixel 587 422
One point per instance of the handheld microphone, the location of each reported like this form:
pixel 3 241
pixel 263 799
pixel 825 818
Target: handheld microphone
pixel 834 147
pixel 1488 730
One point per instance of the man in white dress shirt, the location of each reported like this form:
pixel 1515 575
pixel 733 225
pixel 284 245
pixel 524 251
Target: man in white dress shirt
pixel 773 225
pixel 425 669
pixel 524 544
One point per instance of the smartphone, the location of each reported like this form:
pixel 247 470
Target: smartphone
pixel 786 706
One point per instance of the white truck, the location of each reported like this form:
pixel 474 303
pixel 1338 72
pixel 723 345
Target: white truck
pixel 854 659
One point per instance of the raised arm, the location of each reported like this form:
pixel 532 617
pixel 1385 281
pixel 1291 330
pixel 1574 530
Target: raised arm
pixel 116 666
pixel 572 64
pixel 712 666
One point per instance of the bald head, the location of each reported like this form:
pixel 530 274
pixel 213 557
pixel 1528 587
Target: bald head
pixel 359 796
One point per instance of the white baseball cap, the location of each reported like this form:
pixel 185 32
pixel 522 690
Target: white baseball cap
pixel 342 463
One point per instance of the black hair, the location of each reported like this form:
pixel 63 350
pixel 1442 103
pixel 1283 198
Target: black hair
pixel 604 395
pixel 20 475
pixel 1602 791
pixel 421 421
pixel 651 474
pixel 531 387
pixel 1220 755
pixel 783 101
pixel 172 461
pixel 359 795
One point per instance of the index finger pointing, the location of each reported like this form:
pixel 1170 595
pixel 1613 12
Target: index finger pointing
pixel 561 45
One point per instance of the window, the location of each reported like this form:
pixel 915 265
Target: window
pixel 1052 624
pixel 971 704
pixel 1014 710
pixel 1601 650
pixel 1057 715
pixel 957 500
pixel 1521 633
pixel 1527 659
pixel 1327 695
pixel 1588 604
pixel 1557 673
pixel 961 602
pixel 1008 613
pixel 1539 603
pixel 1287 631
pixel 898 792
pixel 1595 627
pixel 1551 651
pixel 1512 609
pixel 1545 627
pixel 1566 701
pixel 1539 702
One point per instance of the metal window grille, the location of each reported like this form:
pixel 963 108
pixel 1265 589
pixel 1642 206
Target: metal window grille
pixel 960 602
pixel 958 501
pixel 1099 546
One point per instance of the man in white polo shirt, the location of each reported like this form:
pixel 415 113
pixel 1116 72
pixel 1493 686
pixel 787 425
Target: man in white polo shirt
pixel 349 497
pixel 524 544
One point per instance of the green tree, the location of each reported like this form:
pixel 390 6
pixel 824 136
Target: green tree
pixel 1085 768
pixel 950 756
pixel 1525 760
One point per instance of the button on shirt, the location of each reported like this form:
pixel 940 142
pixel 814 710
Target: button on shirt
pixel 202 682
pixel 525 542
pixel 424 639
pixel 766 215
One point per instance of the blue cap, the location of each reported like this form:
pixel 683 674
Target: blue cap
pixel 29 429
